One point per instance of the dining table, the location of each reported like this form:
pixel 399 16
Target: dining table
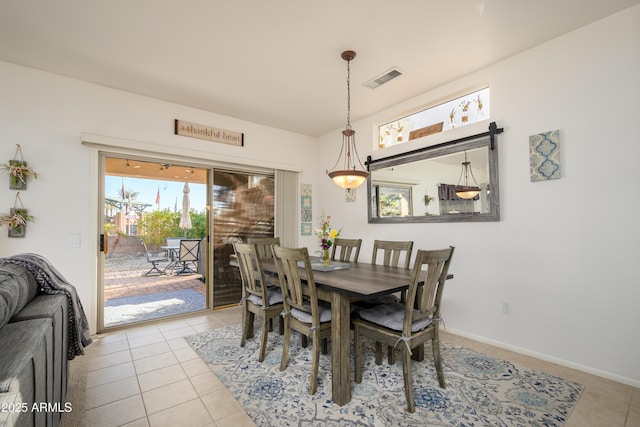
pixel 340 284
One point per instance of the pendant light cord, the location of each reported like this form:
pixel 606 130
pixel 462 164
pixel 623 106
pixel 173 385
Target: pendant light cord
pixel 349 94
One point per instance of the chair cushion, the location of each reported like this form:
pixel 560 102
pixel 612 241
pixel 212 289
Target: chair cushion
pixel 274 296
pixel 392 316
pixel 303 316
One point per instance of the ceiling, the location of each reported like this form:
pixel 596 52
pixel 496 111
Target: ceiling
pixel 278 62
pixel 163 171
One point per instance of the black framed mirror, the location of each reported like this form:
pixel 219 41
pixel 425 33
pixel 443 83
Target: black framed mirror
pixel 428 185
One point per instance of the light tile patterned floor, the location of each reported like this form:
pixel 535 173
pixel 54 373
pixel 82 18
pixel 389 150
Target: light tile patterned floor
pixel 149 376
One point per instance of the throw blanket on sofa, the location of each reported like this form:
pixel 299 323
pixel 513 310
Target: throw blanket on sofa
pixel 52 282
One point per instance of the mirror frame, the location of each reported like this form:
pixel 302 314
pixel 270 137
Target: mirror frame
pixel 487 140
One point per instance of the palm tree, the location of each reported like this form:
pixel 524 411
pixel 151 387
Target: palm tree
pixel 128 194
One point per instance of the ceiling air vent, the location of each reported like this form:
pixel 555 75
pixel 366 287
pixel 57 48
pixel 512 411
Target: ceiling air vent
pixel 383 78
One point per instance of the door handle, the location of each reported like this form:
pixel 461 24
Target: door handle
pixel 104 243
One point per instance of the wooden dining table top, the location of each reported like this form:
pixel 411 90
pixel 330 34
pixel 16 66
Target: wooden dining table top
pixel 361 280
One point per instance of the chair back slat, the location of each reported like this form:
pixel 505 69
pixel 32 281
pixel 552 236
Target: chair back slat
pixel 392 250
pixel 346 248
pixel 293 291
pixel 424 295
pixel 263 245
pixel 251 271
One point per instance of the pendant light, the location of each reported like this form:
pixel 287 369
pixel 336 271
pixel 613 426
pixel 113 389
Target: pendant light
pixel 348 176
pixel 466 191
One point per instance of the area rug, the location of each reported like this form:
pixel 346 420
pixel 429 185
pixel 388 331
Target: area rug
pixel 481 390
pixel 119 311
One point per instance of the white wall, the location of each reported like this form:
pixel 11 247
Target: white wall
pixel 46 115
pixel 565 252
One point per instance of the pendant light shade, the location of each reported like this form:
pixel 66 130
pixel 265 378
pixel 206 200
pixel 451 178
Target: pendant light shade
pixel 344 173
pixel 466 190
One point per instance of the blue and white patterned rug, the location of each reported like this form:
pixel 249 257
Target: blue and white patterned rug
pixel 481 390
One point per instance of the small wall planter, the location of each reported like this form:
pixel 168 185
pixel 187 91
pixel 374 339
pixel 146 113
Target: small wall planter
pixel 17 218
pixel 19 172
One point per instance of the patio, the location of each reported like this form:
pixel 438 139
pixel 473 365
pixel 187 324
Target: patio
pixel 130 296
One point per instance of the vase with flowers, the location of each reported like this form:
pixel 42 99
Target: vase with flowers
pixel 465 111
pixel 326 235
pixel 480 105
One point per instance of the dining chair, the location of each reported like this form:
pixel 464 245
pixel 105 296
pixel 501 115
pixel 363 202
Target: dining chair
pixel 302 312
pixel 155 260
pixel 263 245
pixel 392 251
pixel 411 324
pixel 345 248
pixel 257 298
pixel 188 256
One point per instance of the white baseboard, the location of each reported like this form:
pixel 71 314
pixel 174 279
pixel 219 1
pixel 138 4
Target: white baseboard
pixel 566 363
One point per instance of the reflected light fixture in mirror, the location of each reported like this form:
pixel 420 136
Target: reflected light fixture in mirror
pixel 466 191
pixel 348 176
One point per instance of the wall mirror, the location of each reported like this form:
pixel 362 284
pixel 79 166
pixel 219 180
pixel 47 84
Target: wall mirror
pixel 420 186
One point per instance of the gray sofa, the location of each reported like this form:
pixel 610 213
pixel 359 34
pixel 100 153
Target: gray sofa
pixel 34 347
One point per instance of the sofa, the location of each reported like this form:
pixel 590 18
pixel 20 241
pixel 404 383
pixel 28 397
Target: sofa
pixel 36 323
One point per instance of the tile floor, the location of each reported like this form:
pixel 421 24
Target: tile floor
pixel 149 376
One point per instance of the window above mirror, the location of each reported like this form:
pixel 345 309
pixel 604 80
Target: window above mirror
pixel 457 112
pixel 455 181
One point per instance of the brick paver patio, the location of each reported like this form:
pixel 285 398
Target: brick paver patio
pixel 121 284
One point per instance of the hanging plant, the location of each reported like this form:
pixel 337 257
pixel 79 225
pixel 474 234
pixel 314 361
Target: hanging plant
pixel 17 218
pixel 19 172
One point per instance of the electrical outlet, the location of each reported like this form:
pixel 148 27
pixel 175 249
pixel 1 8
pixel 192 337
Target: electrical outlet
pixel 506 307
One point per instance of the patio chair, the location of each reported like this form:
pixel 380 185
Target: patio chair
pixel 257 297
pixel 188 256
pixel 302 312
pixel 412 324
pixel 155 260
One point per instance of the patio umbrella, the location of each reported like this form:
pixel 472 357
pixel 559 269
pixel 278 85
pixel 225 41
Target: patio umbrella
pixel 185 219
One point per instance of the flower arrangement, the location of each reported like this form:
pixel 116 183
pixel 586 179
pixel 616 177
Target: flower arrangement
pixel 452 118
pixel 399 130
pixel 465 111
pixel 480 105
pixel 326 235
pixel 17 218
pixel 19 172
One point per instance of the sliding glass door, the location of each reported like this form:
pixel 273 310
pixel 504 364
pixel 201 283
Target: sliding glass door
pixel 243 206
pixel 152 209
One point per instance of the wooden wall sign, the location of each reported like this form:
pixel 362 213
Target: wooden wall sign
pixel 419 133
pixel 208 133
